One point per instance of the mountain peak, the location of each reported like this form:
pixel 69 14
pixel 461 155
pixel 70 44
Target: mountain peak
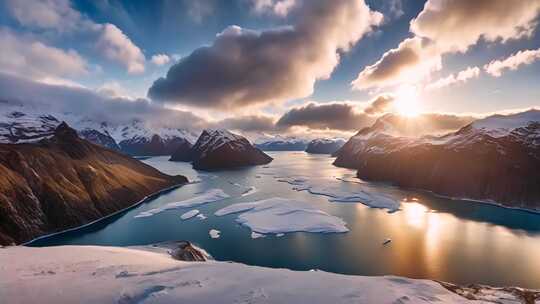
pixel 64 131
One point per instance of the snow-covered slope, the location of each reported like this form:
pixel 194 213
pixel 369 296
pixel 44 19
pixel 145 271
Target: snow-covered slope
pixel 22 124
pixel 220 149
pixel 496 158
pixel 93 274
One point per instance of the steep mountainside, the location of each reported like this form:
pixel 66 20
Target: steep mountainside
pixel 325 145
pixel 64 181
pixel 496 158
pixel 19 124
pixel 221 149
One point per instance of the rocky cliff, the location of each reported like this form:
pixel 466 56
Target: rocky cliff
pixel 496 159
pixel 221 149
pixel 64 181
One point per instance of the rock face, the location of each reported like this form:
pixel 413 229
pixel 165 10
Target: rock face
pixel 64 181
pixel 184 251
pixel 221 149
pixel 182 152
pixel 325 145
pixel 496 158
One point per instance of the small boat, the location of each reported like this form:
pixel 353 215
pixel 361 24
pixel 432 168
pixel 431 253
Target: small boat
pixel 386 241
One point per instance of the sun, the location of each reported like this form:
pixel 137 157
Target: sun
pixel 406 102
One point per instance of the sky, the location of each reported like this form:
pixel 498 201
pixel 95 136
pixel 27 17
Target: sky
pixel 275 66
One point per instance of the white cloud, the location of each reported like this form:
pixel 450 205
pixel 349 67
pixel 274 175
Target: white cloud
pixel 51 14
pixel 245 67
pixel 160 59
pixel 458 24
pixel 116 46
pixel 445 27
pixel 497 67
pixel 461 77
pixel 60 16
pixel 410 62
pixel 278 7
pixel 31 58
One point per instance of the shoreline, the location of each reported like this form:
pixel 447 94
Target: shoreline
pixel 143 200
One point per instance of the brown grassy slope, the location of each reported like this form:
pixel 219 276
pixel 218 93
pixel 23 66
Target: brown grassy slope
pixel 65 181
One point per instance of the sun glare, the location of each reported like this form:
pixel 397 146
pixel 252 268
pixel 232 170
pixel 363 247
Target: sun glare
pixel 406 102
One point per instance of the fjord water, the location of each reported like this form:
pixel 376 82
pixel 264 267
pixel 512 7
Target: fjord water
pixel 432 237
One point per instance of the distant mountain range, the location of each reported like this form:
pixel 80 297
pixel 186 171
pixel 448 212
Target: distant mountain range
pixel 280 143
pixel 494 159
pixel 325 145
pixel 20 124
pixel 221 149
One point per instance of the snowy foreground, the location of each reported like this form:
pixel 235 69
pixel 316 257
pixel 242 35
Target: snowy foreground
pixel 93 274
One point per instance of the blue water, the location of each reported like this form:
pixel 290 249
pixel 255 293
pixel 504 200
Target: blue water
pixel 432 237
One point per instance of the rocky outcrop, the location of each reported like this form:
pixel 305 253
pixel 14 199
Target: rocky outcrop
pixel 496 159
pixel 64 181
pixel 221 149
pixel 325 145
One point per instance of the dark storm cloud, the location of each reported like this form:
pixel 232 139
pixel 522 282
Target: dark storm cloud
pixel 244 67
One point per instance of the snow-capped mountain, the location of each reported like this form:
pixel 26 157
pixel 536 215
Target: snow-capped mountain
pixel 20 124
pixel 280 143
pixel 325 145
pixel 219 149
pixel 496 158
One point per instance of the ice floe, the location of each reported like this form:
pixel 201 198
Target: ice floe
pixel 249 191
pixel 215 234
pixel 189 214
pixel 335 193
pixel 280 215
pixel 201 216
pixel 210 196
pixel 255 235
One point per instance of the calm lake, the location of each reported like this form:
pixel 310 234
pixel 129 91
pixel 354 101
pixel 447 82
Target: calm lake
pixel 432 237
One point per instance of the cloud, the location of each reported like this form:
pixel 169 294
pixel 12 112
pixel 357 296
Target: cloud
pixel 496 67
pixel 456 25
pixel 460 78
pixel 380 104
pixel 424 124
pixel 52 14
pixel 410 62
pixel 277 7
pixel 200 9
pixel 245 67
pixel 338 116
pixel 88 103
pixel 116 46
pixel 60 16
pixel 251 123
pixel 444 27
pixel 160 59
pixel 27 57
